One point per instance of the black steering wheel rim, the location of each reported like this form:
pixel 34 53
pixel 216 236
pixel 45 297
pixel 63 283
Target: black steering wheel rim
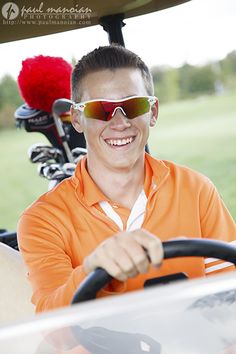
pixel 99 278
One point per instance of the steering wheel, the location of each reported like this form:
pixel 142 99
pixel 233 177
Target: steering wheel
pixel 99 278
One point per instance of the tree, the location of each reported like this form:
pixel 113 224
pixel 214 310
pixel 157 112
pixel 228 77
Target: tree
pixel 9 93
pixel 228 68
pixel 195 80
pixel 9 100
pixel 166 83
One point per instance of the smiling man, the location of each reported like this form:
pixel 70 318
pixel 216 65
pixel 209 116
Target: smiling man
pixel 121 202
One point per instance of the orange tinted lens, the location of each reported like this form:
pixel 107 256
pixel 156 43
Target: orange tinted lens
pixel 95 110
pixel 136 107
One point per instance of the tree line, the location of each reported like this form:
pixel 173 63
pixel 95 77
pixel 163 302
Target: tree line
pixel 170 84
pixel 189 81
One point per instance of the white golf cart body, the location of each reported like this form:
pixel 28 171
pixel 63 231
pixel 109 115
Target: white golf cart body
pixel 192 317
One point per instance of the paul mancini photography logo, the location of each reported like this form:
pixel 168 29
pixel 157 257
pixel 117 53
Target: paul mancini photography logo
pixel 13 14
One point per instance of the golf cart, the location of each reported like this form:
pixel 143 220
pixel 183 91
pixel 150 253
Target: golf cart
pixel 199 318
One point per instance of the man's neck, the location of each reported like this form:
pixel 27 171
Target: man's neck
pixel 120 186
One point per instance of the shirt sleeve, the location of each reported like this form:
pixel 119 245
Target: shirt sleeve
pixel 50 271
pixel 216 223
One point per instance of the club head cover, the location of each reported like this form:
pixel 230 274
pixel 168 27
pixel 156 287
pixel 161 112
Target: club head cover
pixel 44 79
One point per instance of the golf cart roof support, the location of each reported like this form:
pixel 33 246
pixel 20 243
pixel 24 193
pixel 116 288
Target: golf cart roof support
pixel 113 24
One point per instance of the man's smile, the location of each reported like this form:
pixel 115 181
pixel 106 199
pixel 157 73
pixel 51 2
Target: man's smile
pixel 119 142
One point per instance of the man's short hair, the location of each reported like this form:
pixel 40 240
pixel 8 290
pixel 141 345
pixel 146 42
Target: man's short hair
pixel 108 57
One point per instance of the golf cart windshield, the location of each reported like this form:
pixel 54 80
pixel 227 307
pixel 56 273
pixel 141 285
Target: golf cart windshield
pixel 199 318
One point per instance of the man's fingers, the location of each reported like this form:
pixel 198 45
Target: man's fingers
pixel 152 245
pixel 122 258
pixel 126 254
pixel 137 254
pixel 100 259
pixel 114 270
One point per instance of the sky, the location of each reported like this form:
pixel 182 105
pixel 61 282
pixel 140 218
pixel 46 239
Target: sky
pixel 195 32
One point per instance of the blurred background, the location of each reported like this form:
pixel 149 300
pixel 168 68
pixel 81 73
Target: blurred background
pixel 191 50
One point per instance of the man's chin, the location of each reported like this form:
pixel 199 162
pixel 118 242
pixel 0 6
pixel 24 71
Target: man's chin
pixel 122 163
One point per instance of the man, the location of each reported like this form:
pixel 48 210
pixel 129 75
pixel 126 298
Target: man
pixel 121 203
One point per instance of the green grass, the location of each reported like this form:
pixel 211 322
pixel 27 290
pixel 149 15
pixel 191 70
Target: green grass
pixel 199 133
pixel 20 184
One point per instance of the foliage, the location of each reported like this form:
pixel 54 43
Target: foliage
pixel 192 81
pixel 9 93
pixel 166 83
pixel 228 64
pixel 228 70
pixel 9 100
pixel 195 81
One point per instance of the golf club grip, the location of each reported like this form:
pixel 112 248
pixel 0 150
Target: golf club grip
pixel 99 278
pixel 61 106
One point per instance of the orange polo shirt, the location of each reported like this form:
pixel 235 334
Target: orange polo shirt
pixel 66 224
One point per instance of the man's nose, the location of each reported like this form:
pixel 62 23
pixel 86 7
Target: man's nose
pixel 119 120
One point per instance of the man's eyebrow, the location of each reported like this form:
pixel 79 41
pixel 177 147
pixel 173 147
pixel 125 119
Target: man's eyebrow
pixel 129 96
pixel 122 98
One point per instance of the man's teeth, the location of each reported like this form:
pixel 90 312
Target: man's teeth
pixel 119 142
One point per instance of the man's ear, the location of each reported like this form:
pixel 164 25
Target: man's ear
pixel 76 119
pixel 154 113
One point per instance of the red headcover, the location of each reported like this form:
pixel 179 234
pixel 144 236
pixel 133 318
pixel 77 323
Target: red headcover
pixel 43 79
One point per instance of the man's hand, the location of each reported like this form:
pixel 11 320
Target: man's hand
pixel 126 254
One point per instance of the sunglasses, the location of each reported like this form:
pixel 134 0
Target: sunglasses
pixel 104 110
